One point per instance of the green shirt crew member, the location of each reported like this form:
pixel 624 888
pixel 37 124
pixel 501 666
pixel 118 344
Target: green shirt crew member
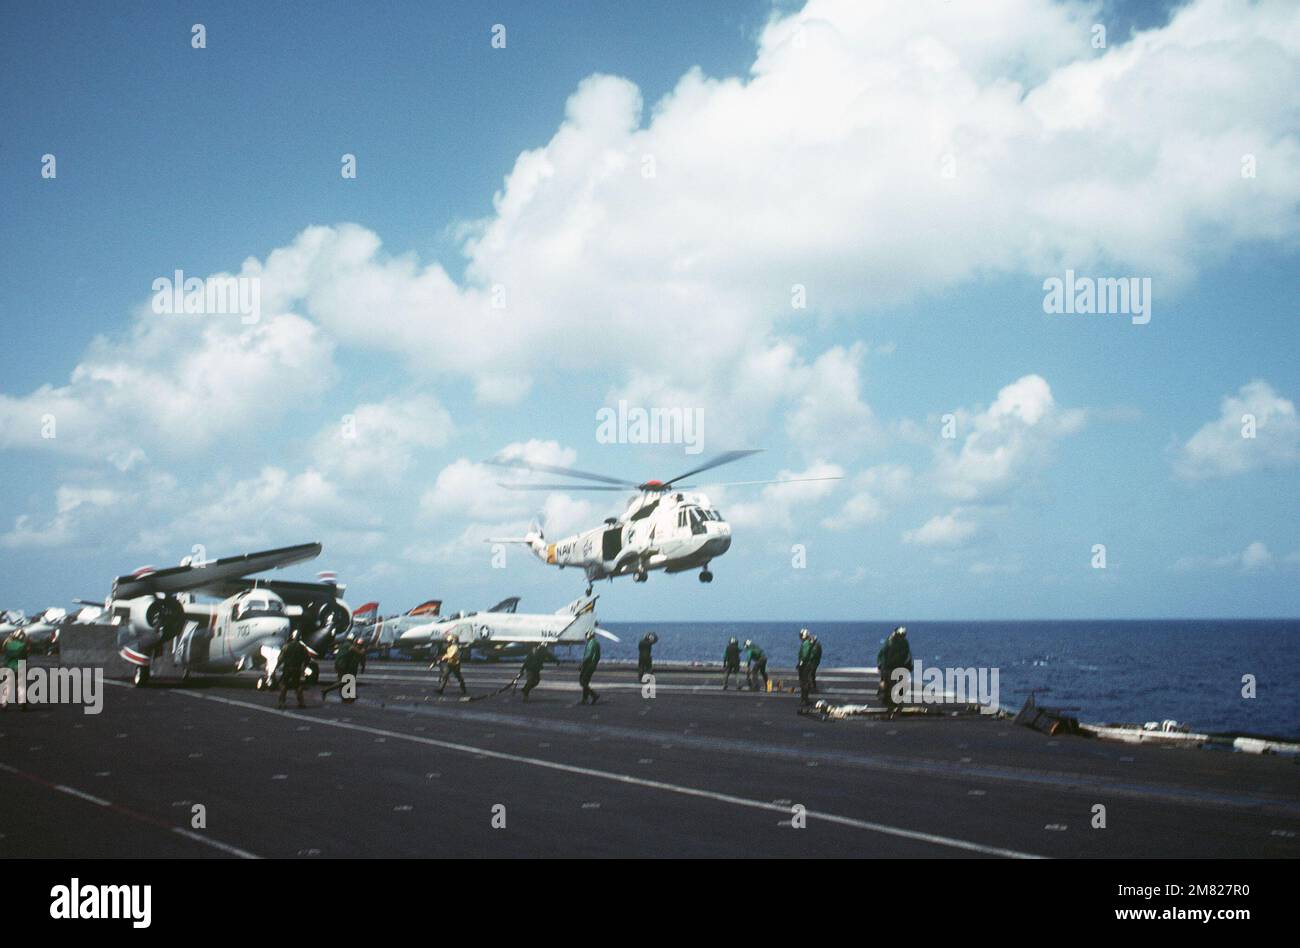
pixel 590 659
pixel 894 654
pixel 757 665
pixel 731 663
pixel 532 668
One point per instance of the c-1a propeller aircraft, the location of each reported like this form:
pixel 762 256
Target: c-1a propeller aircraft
pixel 245 629
pixel 665 526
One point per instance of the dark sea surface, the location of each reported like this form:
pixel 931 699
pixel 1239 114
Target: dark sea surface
pixel 1129 671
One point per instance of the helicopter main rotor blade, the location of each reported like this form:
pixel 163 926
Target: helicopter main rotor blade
pixel 566 471
pixel 720 460
pixel 562 487
pixel 781 480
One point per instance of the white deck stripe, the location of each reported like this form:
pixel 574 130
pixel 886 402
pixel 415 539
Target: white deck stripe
pixel 215 843
pixel 100 801
pixel 867 825
pixel 85 796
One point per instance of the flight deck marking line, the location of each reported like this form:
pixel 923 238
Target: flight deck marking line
pixel 882 828
pixel 124 811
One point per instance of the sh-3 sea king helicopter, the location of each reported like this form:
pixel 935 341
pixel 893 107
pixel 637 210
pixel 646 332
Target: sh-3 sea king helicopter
pixel 665 526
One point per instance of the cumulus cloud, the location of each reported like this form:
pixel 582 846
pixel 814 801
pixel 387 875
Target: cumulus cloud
pixel 1256 428
pixel 74 506
pixel 942 530
pixel 466 489
pixel 1013 432
pixel 862 131
pixel 380 440
pixel 873 490
pixel 1002 441
pixel 1256 557
pixel 174 384
pixel 778 506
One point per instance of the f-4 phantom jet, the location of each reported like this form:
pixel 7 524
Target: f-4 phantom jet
pixel 502 630
pixel 156 610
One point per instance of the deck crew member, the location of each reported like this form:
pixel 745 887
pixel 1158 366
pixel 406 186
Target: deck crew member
pixel 804 666
pixel 450 661
pixel 756 665
pixel 590 659
pixel 731 663
pixel 16 650
pixel 644 664
pixel 532 668
pixel 894 654
pixel 293 662
pixel 816 660
pixel 347 661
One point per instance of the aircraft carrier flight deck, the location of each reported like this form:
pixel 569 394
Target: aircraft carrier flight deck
pixel 691 771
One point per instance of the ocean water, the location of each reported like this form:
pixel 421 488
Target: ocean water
pixel 1106 671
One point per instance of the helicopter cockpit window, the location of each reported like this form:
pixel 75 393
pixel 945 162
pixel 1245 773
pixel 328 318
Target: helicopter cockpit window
pixel 697 520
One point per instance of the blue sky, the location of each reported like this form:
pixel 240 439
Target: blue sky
pixel 919 172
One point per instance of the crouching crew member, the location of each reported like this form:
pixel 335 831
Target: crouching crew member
pixel 590 659
pixel 731 663
pixel 293 663
pixel 894 654
pixel 347 661
pixel 450 662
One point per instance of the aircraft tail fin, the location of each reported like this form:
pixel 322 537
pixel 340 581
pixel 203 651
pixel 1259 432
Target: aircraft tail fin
pixel 584 619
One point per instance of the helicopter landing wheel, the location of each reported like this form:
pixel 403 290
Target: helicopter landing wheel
pixel 641 576
pixel 589 589
pixel 706 576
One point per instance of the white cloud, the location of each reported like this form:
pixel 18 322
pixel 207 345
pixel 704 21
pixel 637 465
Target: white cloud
pixel 1221 448
pixel 873 488
pixel 1255 558
pixel 1003 441
pixel 942 530
pixel 777 504
pixel 466 489
pixel 174 384
pixel 379 440
pixel 74 506
pixel 827 167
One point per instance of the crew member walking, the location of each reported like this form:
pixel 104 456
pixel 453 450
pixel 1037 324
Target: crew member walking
pixel 731 663
pixel 644 664
pixel 450 661
pixel 293 662
pixel 590 659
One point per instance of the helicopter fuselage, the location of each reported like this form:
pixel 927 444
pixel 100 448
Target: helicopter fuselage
pixel 673 531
